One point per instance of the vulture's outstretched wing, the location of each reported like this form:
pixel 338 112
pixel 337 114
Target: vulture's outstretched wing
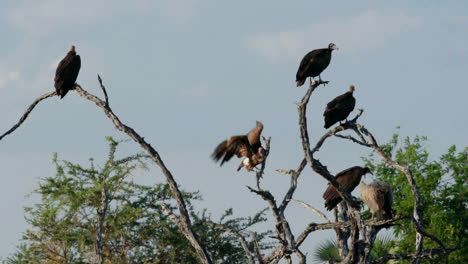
pixel 236 145
pixel 254 137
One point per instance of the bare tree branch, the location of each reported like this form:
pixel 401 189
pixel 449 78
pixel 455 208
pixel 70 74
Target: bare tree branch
pixel 185 225
pixel 313 209
pixel 28 111
pixel 257 249
pixel 325 226
pixel 103 90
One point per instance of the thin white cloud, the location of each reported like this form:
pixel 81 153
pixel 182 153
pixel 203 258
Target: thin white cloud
pixel 196 91
pixel 7 77
pixel 366 30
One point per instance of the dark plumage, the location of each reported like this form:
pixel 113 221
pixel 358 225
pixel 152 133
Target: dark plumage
pixel 248 146
pixel 339 108
pixel 67 72
pixel 378 196
pixel 313 64
pixel 349 179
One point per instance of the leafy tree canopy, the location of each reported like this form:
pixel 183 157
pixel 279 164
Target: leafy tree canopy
pixel 64 223
pixel 443 186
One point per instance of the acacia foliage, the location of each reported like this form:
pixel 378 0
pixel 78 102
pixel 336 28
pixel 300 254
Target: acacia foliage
pixel 443 184
pixel 63 224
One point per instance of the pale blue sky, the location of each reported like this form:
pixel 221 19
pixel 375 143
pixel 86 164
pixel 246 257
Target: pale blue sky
pixel 186 74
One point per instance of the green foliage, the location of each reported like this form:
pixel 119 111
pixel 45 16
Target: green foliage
pixel 63 224
pixel 443 187
pixel 328 249
pixel 325 251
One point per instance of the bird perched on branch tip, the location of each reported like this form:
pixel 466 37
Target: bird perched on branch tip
pixel 314 63
pixel 67 72
pixel 339 108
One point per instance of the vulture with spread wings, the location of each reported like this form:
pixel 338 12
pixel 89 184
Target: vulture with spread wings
pixel 378 196
pixel 67 72
pixel 248 146
pixel 313 64
pixel 349 179
pixel 339 108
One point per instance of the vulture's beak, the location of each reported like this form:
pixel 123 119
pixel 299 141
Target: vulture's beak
pixel 335 48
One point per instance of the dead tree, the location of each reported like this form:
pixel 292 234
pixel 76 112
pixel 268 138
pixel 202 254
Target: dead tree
pixel 355 236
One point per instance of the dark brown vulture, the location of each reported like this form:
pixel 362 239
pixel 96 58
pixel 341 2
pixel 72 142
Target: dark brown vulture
pixel 313 64
pixel 349 179
pixel 67 72
pixel 379 198
pixel 248 146
pixel 339 108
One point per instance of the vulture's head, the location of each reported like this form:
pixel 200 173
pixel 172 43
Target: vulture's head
pixel 261 152
pixel 332 47
pixel 72 48
pixel 367 170
pixel 351 88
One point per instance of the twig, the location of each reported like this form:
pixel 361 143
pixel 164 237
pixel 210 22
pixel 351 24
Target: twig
pixel 353 139
pixel 174 218
pixel 103 90
pixel 257 249
pixel 260 172
pixel 324 226
pixel 28 111
pixel 292 187
pixel 310 207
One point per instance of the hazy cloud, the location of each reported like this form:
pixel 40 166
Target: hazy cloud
pixel 41 17
pixel 196 91
pixel 6 77
pixel 179 11
pixel 366 30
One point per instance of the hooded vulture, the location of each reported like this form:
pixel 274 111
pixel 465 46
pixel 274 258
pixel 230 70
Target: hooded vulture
pixel 339 108
pixel 67 72
pixel 248 146
pixel 313 64
pixel 378 197
pixel 349 179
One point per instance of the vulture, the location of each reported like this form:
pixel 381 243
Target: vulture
pixel 314 63
pixel 339 108
pixel 248 146
pixel 67 72
pixel 379 198
pixel 349 179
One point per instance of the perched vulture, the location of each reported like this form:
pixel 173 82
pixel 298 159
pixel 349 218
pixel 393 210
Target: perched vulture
pixel 339 108
pixel 67 72
pixel 379 198
pixel 248 146
pixel 349 179
pixel 313 64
